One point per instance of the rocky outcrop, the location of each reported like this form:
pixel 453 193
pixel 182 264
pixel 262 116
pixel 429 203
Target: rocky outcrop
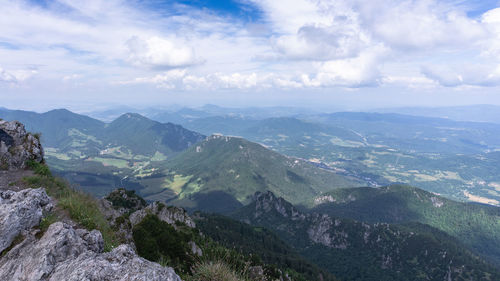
pixel 64 253
pixel 125 201
pixel 266 202
pixel 19 212
pixel 170 215
pixel 17 146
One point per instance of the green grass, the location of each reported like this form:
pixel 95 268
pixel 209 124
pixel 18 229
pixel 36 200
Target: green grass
pixel 46 221
pixel 81 207
pixel 39 169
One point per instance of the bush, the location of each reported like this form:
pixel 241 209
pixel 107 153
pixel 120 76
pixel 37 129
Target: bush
pixel 214 271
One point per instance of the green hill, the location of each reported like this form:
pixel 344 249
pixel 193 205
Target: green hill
pixel 353 250
pixel 144 136
pixel 475 225
pixel 240 168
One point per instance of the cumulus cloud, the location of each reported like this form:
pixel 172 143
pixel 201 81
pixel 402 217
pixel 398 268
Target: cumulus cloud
pixel 300 44
pixel 345 36
pixel 315 30
pixel 361 71
pixel 160 53
pixel 181 80
pixel 491 20
pixel 15 76
pixel 419 25
pixel 320 43
pixel 458 75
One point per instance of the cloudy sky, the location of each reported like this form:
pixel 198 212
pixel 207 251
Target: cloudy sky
pixel 328 53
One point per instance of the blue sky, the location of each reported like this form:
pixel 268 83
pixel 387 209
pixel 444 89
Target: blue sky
pixel 349 54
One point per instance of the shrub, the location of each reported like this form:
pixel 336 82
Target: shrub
pixel 214 271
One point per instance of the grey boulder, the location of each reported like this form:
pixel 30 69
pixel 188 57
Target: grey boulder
pixel 64 253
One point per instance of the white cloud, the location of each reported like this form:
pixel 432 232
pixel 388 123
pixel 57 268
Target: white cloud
pixel 16 76
pixel 410 81
pixel 321 43
pixel 71 77
pixel 156 52
pixel 420 25
pixel 469 75
pixel 315 30
pixel 299 44
pixel 360 71
pixel 181 80
pixel 491 20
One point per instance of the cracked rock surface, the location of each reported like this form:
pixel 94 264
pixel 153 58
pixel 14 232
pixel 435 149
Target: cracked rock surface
pixel 19 212
pixel 64 253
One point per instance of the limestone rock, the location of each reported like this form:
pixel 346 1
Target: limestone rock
pixel 195 250
pixel 20 211
pixel 125 201
pixel 17 146
pixel 64 253
pixel 169 214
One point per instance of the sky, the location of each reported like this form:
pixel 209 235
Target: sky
pixel 351 54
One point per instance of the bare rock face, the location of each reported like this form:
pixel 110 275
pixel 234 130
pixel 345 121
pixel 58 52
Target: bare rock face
pixel 169 214
pixel 17 146
pixel 20 211
pixel 64 253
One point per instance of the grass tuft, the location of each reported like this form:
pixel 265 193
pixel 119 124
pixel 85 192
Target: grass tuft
pixel 214 271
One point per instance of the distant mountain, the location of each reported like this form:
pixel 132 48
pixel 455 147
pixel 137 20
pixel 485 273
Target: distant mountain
pixel 418 134
pixel 65 130
pixel 60 128
pixel 456 159
pixel 475 225
pixel 98 156
pixel 146 137
pixel 354 250
pixel 474 113
pixel 182 115
pixel 240 168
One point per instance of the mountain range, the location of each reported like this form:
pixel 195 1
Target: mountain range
pixel 322 218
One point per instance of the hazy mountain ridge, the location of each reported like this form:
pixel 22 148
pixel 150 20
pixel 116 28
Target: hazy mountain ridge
pixel 474 113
